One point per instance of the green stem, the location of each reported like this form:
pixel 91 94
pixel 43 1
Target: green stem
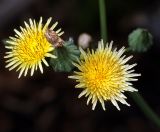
pixel 103 23
pixel 145 108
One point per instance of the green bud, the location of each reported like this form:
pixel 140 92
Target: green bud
pixel 140 40
pixel 66 54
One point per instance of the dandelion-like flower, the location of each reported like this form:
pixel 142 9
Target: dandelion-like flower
pixel 104 75
pixel 29 47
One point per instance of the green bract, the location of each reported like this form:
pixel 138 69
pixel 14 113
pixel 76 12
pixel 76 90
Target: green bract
pixel 66 54
pixel 140 40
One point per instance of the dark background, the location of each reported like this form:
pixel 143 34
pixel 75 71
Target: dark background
pixel 48 102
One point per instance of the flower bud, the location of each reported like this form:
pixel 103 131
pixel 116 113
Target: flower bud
pixel 84 40
pixel 140 40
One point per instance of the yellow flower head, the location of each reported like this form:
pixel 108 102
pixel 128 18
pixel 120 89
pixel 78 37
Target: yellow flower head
pixel 104 75
pixel 29 47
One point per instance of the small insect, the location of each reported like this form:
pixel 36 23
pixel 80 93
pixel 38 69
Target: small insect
pixel 53 38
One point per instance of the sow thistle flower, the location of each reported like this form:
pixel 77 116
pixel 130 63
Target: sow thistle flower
pixel 104 75
pixel 29 47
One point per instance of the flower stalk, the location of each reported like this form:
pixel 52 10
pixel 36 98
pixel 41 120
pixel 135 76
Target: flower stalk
pixel 103 22
pixel 143 105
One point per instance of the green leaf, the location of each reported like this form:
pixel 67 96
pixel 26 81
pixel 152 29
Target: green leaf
pixel 66 54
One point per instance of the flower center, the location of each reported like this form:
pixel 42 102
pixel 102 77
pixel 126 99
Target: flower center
pixel 32 48
pixel 103 75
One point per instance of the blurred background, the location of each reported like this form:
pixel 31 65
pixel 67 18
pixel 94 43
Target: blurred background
pixel 48 102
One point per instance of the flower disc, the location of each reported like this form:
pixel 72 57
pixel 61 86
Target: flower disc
pixel 104 75
pixel 29 47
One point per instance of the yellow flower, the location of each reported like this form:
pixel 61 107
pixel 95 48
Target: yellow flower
pixel 29 47
pixel 104 75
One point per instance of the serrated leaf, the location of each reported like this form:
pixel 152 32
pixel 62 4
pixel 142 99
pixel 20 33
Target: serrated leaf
pixel 65 56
